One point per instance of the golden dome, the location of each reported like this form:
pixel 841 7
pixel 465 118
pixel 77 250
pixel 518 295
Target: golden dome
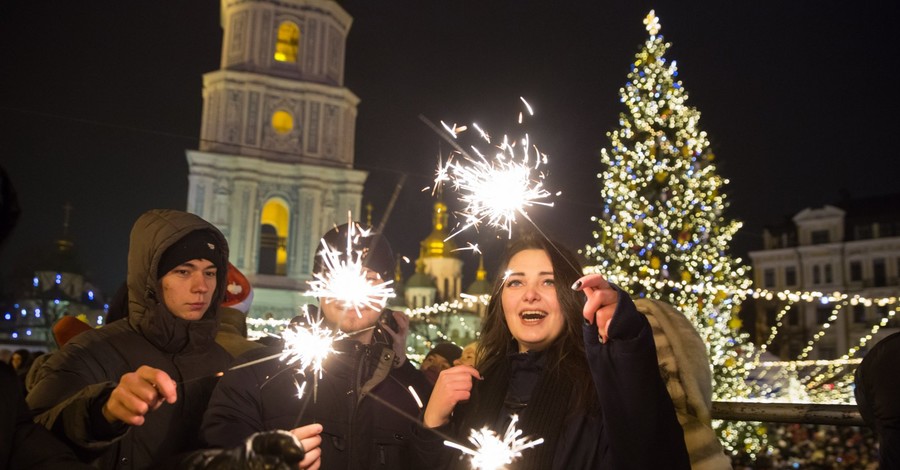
pixel 436 245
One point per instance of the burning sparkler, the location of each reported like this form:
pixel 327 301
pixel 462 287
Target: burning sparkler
pixel 492 452
pixel 308 345
pixel 495 190
pixel 345 279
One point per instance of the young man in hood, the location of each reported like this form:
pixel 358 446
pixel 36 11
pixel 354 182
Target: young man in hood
pixel 132 394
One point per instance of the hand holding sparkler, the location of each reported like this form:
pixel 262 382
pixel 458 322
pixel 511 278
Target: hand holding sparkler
pixel 139 393
pixel 310 439
pixel 601 304
pixel 453 386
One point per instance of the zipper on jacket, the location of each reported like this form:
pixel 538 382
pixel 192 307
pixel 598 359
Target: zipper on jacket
pixel 355 402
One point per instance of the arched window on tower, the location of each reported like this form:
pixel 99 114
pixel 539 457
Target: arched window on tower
pixel 288 42
pixel 273 236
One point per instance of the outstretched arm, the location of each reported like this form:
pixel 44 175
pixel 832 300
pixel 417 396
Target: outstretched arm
pixel 636 408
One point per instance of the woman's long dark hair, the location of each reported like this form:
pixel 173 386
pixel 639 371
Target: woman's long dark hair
pixel 566 356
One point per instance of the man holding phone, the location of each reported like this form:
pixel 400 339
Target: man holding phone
pixel 363 392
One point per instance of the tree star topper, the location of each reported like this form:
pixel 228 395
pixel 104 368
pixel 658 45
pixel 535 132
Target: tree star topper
pixel 652 23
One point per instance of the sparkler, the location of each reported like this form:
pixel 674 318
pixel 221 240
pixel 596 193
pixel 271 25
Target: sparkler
pixel 346 280
pixel 308 345
pixel 490 452
pixel 493 452
pixel 471 247
pixel 494 190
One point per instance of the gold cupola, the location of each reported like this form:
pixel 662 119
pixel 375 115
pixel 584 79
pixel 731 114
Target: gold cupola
pixel 436 244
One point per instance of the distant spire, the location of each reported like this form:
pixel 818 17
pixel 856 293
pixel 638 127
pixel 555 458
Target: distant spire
pixel 369 208
pixel 67 213
pixel 481 273
pixel 64 244
pixel 438 244
pixel 398 273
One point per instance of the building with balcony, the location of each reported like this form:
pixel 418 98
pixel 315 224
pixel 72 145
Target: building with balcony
pixel 852 247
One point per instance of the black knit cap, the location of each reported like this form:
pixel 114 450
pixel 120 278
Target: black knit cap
pixel 199 244
pixel 448 351
pixel 375 248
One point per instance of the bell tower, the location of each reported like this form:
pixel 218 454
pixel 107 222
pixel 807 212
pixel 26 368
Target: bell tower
pixel 274 169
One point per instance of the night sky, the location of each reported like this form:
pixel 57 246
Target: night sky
pixel 100 99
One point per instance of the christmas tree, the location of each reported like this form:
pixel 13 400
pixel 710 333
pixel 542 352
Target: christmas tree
pixel 662 233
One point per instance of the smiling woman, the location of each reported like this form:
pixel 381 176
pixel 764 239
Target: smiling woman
pixel 596 403
pixel 530 304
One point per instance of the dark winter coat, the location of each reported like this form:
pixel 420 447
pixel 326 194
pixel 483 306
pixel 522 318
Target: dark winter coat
pixel 635 426
pixel 359 431
pixel 23 443
pixel 77 381
pixel 877 387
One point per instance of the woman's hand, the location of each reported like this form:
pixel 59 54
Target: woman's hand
pixel 601 304
pixel 453 386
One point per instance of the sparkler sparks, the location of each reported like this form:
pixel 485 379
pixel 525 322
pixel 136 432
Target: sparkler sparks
pixel 346 280
pixel 492 452
pixel 309 345
pixel 471 247
pixel 496 190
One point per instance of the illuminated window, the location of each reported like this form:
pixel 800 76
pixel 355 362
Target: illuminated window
pixel 282 121
pixel 288 42
pixel 273 238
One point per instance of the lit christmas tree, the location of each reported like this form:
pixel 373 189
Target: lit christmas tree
pixel 662 233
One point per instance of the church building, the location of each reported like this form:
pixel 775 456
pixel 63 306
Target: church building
pixel 274 169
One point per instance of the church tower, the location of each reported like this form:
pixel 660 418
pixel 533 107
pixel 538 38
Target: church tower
pixel 275 166
pixel 439 256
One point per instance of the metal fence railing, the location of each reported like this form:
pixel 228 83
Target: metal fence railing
pixel 809 413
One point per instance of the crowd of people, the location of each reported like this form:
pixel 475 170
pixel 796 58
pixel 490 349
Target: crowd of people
pixel 815 446
pixel 174 383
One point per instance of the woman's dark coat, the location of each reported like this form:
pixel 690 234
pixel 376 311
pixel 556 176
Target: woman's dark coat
pixel 635 426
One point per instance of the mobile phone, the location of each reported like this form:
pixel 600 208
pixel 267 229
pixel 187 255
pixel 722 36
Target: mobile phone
pixel 387 318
